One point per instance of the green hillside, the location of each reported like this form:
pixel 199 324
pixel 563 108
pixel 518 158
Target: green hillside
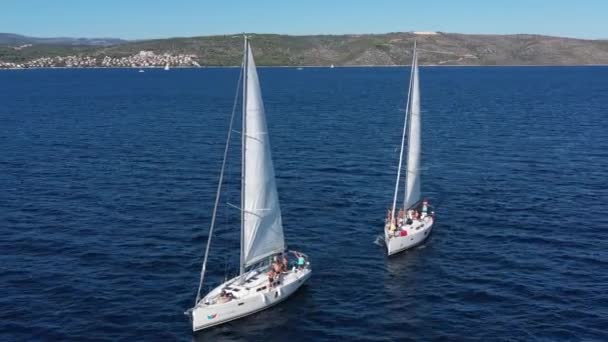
pixel 322 50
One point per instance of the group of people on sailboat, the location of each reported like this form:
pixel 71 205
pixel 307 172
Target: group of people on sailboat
pixel 280 265
pixel 405 218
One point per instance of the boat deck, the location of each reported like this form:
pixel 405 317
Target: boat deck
pixel 256 281
pixel 413 226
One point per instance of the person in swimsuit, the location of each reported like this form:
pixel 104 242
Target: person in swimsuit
pixel 276 265
pixel 271 276
pixel 225 297
pixel 284 263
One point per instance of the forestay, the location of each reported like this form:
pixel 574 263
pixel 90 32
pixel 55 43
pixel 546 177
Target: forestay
pixel 262 226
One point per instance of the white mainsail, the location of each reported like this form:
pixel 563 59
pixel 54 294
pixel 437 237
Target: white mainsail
pixel 412 187
pixel 262 233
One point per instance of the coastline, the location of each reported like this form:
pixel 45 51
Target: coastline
pixel 321 66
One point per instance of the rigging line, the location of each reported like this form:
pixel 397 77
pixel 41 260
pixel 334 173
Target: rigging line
pixel 407 106
pixel 219 190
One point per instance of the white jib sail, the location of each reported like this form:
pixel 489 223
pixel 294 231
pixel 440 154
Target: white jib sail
pixel 412 189
pixel 262 226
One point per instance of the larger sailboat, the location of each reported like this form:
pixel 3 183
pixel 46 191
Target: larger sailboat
pixel 268 272
pixel 413 222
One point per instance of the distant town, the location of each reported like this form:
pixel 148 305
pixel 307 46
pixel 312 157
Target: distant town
pixel 143 59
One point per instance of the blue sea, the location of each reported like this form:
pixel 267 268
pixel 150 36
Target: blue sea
pixel 107 181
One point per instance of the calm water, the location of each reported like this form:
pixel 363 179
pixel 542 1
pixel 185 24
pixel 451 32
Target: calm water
pixel 107 179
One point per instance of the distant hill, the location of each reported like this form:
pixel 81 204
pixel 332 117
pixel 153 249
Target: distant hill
pixel 12 39
pixel 436 48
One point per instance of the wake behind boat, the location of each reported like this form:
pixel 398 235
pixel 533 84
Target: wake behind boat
pixel 269 273
pixel 412 224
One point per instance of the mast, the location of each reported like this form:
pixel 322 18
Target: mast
pixel 243 149
pixel 405 125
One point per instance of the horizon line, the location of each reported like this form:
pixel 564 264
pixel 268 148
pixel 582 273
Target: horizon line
pixel 296 35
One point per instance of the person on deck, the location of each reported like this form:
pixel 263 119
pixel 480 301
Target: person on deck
pixel 284 263
pixel 271 276
pixel 276 265
pixel 425 208
pixel 401 213
pixel 392 227
pixel 301 261
pixel 401 218
pixel 225 296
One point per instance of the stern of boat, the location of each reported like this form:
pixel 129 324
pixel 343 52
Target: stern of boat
pixel 401 240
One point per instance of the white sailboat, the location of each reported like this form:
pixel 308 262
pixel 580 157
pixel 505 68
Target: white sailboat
pixel 167 66
pixel 268 272
pixel 412 224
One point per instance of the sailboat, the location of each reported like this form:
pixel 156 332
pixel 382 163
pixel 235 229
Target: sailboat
pixel 412 224
pixel 167 66
pixel 269 273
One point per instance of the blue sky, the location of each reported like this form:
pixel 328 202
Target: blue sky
pixel 133 19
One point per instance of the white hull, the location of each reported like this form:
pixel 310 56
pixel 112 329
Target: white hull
pixel 252 296
pixel 417 232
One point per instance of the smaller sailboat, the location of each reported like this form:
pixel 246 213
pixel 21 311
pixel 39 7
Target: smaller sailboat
pixel 412 224
pixel 331 66
pixel 269 273
pixel 167 66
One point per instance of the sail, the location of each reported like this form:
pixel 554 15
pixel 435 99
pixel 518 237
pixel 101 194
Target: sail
pixel 262 227
pixel 412 188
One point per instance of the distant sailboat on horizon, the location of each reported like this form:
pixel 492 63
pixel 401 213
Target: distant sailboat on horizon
pixel 414 221
pixel 167 67
pixel 262 241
